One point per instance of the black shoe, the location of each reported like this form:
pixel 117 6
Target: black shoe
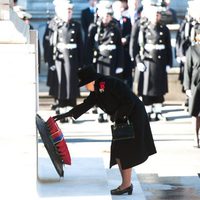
pixel 64 120
pixel 118 191
pixel 57 111
pixel 159 117
pixel 187 102
pixel 149 116
pixel 101 119
pixel 94 111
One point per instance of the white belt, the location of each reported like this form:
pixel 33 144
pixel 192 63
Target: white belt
pixel 109 47
pixel 151 47
pixel 61 46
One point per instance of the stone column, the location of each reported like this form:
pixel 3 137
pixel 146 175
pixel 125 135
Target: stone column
pixel 13 29
pixel 18 101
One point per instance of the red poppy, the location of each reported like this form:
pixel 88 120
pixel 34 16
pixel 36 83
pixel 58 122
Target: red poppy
pixel 101 86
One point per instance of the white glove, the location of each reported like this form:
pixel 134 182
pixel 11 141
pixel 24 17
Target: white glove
pixel 124 40
pixel 61 46
pixel 183 59
pixel 119 70
pixel 141 67
pixel 167 68
pixel 53 68
pixel 178 59
pixel 188 93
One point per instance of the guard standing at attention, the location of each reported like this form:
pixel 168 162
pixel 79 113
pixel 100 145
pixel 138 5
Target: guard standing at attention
pixel 66 56
pixel 104 46
pixel 153 61
pixel 124 24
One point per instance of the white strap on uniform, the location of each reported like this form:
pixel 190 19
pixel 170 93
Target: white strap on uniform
pixel 61 45
pixel 108 47
pixel 150 47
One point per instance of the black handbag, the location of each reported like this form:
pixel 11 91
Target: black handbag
pixel 122 131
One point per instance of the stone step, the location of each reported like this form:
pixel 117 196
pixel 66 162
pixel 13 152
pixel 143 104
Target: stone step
pixel 87 178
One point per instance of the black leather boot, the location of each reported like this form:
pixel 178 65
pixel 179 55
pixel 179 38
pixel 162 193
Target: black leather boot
pixel 101 118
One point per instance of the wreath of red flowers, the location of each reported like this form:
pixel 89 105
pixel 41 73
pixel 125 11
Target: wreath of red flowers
pixel 102 86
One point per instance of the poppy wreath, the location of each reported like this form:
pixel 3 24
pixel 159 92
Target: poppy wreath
pixel 58 140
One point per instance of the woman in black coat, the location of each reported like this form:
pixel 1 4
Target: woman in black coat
pixel 192 82
pixel 116 99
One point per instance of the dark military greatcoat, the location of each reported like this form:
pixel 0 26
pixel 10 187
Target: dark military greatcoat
pixel 65 52
pixel 156 53
pixel 184 40
pixel 134 47
pixel 125 28
pixel 115 98
pixel 104 46
pixel 192 78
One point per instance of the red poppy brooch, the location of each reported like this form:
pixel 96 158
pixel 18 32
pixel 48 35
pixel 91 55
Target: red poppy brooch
pixel 101 87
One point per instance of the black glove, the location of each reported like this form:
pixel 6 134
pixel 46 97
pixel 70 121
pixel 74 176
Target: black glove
pixel 61 116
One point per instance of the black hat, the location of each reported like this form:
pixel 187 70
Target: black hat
pixel 86 75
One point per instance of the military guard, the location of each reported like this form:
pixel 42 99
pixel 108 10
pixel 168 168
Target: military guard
pixel 104 42
pixel 124 24
pixel 140 20
pixel 185 38
pixel 153 60
pixel 192 74
pixel 104 46
pixel 65 55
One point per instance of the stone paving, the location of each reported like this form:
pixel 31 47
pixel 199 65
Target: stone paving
pixel 170 174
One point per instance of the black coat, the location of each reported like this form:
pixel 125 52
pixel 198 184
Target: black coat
pixel 105 35
pixel 192 78
pixel 184 39
pixel 153 81
pixel 118 100
pixel 63 79
pixel 134 47
pixel 125 29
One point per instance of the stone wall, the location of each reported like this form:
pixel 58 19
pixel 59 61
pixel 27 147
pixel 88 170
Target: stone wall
pixel 18 85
